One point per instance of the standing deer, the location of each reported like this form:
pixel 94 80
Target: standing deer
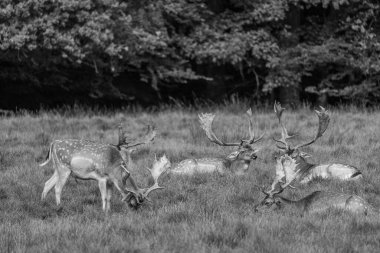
pixel 293 160
pixel 105 163
pixel 318 201
pixel 237 162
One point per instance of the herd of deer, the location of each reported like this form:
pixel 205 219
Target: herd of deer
pixel 109 165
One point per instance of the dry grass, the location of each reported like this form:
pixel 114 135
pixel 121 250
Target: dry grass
pixel 205 213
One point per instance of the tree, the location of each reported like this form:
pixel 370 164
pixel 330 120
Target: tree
pixel 337 54
pixel 317 46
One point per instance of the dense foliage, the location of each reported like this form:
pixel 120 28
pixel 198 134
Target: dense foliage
pixel 324 47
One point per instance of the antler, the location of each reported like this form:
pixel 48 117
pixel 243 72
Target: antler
pixel 323 122
pixel 252 139
pixel 156 172
pixel 287 169
pixel 285 174
pixel 273 192
pixel 128 143
pixel 206 119
pixel 278 109
pixel 282 187
pixel 291 173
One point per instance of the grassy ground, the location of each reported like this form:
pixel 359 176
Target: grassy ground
pixel 205 213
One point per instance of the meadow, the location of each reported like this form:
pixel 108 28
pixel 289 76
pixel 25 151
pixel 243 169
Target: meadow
pixel 203 213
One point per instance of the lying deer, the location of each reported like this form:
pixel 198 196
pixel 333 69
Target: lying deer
pixel 292 167
pixel 293 159
pixel 105 163
pixel 318 201
pixel 237 162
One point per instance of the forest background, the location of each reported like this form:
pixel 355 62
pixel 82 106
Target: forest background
pixel 114 52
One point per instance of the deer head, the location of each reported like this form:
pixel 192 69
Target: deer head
pixel 291 164
pixel 159 166
pixel 270 202
pixel 323 122
pixel 246 149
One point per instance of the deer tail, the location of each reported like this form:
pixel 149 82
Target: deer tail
pixel 48 156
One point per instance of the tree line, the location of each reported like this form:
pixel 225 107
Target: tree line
pixel 148 51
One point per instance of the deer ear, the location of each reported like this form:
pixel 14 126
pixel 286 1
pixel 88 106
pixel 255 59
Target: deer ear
pixel 304 155
pixel 233 155
pixel 256 150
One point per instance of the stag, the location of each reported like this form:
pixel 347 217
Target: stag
pixel 293 160
pixel 237 162
pixel 106 163
pixel 318 201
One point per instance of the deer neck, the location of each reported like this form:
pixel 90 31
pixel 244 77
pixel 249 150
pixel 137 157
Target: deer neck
pixel 304 167
pixel 298 204
pixel 227 162
pixel 304 203
pixel 126 156
pixel 237 166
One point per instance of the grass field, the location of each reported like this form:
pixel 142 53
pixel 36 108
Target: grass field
pixel 204 213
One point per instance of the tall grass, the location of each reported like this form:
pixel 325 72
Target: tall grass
pixel 203 213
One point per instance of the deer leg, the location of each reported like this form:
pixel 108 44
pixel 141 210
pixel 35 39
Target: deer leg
pixel 118 184
pixel 103 192
pixel 49 185
pixel 63 175
pixel 109 194
pixel 54 179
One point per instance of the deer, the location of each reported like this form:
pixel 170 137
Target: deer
pixel 291 167
pixel 291 158
pixel 237 162
pixel 316 202
pixel 106 163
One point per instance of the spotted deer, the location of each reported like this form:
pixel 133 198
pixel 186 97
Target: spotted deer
pixel 236 162
pixel 316 202
pixel 292 159
pixel 106 163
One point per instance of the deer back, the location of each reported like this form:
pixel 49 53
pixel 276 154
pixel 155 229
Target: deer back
pixel 234 163
pixel 333 171
pixel 99 155
pixel 201 165
pixel 320 201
